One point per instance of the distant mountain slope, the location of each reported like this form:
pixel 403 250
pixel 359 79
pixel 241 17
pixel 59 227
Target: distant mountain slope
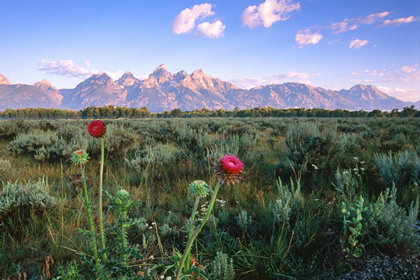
pixel 40 95
pixel 370 98
pixel 164 91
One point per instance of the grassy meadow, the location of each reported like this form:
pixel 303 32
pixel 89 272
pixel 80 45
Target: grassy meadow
pixel 316 195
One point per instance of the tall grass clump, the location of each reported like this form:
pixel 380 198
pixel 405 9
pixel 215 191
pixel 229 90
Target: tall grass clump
pixel 310 155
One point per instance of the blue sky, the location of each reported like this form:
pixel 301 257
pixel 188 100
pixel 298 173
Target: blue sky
pixel 333 44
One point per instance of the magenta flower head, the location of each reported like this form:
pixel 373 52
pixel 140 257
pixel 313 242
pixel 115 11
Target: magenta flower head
pixel 229 169
pixel 96 128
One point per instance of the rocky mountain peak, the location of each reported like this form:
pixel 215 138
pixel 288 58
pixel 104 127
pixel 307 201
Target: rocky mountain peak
pixel 4 80
pixel 181 75
pixel 99 79
pixel 198 74
pixel 127 80
pixel 43 84
pixel 161 74
pixel 367 92
pixel 161 67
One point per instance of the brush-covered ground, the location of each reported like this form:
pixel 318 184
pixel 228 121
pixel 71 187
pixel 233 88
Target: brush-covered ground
pixel 316 197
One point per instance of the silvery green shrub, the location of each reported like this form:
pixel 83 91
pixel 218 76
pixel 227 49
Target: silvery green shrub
pixel 32 195
pixel 401 169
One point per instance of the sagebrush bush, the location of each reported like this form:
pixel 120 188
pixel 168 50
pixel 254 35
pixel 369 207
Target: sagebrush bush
pixel 395 227
pixel 310 154
pixel 381 223
pixel 401 169
pixel 21 197
pixel 39 144
pixel 222 267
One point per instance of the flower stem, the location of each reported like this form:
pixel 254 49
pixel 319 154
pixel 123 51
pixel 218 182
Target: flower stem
pixel 90 219
pixel 101 217
pixel 190 231
pixel 197 230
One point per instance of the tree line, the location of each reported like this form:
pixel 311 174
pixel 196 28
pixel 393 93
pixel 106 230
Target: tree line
pixel 124 112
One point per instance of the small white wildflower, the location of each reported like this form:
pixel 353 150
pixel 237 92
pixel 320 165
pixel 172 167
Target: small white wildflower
pixel 168 278
pixel 314 166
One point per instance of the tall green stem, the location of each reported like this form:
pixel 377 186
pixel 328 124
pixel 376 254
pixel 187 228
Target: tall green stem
pixel 190 231
pixel 197 230
pixel 101 217
pixel 90 219
pixel 123 240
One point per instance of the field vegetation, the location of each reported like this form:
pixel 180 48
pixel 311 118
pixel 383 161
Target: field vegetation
pixel 316 194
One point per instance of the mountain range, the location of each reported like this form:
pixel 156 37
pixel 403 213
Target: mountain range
pixel 164 91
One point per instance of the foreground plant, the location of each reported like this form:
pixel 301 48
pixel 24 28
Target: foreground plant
pixel 97 129
pixel 229 170
pixel 80 158
pixel 120 250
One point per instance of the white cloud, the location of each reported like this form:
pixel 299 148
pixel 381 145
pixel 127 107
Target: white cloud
pixel 409 69
pixel 184 22
pixel 312 35
pixel 399 21
pixel 406 73
pixel 412 95
pixel 65 68
pixel 211 30
pixel 357 44
pixel 250 17
pixel 352 24
pixel 305 37
pixel 268 13
pixel 247 83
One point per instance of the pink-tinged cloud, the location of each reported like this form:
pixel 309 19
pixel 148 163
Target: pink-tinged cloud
pixel 184 22
pixel 211 30
pixel 412 95
pixel 357 44
pixel 247 83
pixel 305 37
pixel 268 13
pixel 399 21
pixel 354 23
pixel 65 68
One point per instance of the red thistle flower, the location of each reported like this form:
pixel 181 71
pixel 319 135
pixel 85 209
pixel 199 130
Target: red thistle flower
pixel 229 169
pixel 96 128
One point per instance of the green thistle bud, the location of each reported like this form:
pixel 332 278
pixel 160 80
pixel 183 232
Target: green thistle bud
pixel 79 157
pixel 122 200
pixel 199 188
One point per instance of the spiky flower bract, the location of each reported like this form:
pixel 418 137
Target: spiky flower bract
pixel 123 200
pixel 79 157
pixel 229 169
pixel 199 188
pixel 96 128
